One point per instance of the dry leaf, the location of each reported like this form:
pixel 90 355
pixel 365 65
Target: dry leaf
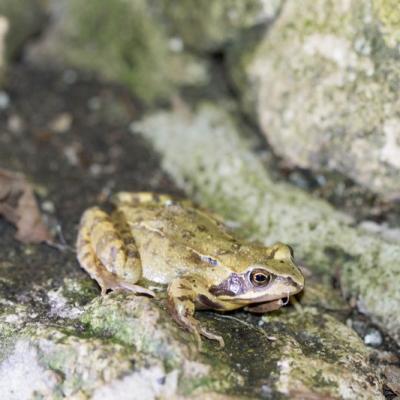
pixel 18 205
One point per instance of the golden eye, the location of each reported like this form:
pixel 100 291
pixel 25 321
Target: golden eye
pixel 260 278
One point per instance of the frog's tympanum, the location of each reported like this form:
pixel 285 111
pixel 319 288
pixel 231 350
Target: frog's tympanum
pixel 175 243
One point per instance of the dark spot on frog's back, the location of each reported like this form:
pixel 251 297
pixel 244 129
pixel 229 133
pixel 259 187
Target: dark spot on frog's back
pixel 235 245
pixel 193 258
pixel 201 228
pixel 186 234
pixel 234 285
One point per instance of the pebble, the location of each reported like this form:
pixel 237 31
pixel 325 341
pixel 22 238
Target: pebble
pixel 15 124
pixel 175 44
pixel 48 206
pixel 94 103
pixel 373 338
pixel 4 100
pixel 61 123
pixel 70 76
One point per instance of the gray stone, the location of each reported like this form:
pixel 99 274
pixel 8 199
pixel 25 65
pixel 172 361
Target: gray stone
pixel 124 346
pixel 323 85
pixel 125 41
pixel 210 25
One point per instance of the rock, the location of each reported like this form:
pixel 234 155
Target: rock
pixel 209 26
pixel 322 84
pixel 25 18
pixel 60 339
pixel 204 152
pixel 124 346
pixel 61 123
pixel 121 40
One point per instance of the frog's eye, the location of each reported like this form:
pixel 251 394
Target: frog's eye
pixel 260 278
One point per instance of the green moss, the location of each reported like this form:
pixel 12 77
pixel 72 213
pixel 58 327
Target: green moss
pixel 26 18
pixel 134 322
pixel 389 14
pixel 325 79
pixel 122 41
pixel 208 25
pixel 79 292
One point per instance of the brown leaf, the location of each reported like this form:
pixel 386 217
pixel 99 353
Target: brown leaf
pixel 18 205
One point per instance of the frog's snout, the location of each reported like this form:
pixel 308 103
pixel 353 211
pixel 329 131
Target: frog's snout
pixel 296 284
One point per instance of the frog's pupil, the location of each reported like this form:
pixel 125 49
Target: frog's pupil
pixel 260 278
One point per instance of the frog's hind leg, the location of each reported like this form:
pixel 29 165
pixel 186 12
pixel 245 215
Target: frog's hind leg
pixel 138 198
pixel 181 306
pixel 101 251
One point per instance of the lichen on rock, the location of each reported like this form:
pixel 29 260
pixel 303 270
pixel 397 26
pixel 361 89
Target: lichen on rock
pixel 210 25
pixel 125 41
pixel 323 83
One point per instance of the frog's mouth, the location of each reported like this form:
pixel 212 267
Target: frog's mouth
pixel 261 308
pixel 267 298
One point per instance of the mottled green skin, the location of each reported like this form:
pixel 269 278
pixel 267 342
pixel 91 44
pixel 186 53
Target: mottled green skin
pixel 323 85
pixel 221 170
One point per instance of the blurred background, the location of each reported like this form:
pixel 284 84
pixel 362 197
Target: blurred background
pixel 281 116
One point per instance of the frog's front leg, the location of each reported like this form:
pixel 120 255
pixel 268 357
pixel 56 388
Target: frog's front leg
pixel 183 294
pixel 109 259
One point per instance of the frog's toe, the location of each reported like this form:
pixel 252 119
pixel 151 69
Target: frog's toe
pixel 108 283
pixel 136 289
pixel 212 336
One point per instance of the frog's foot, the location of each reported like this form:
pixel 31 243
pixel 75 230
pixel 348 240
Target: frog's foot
pixel 266 307
pixel 181 306
pixel 135 288
pixel 212 336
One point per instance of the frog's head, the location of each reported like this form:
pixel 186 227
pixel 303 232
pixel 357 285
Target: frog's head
pixel 275 277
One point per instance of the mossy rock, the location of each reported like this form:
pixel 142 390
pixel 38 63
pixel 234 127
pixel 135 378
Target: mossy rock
pixel 322 84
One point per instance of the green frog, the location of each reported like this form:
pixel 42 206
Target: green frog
pixel 172 242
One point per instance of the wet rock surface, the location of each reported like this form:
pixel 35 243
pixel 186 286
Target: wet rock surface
pixel 60 339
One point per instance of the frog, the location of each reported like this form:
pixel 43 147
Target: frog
pixel 157 238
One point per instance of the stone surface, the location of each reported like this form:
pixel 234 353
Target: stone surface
pixel 205 25
pixel 20 20
pixel 124 346
pixel 323 85
pixel 60 339
pixel 25 19
pixel 216 165
pixel 125 41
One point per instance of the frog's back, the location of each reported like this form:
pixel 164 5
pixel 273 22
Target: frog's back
pixel 175 239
